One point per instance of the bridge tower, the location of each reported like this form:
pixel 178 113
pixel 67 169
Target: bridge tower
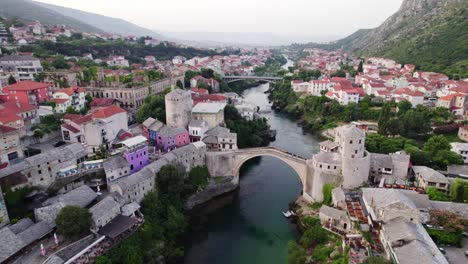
pixel 178 108
pixel 355 158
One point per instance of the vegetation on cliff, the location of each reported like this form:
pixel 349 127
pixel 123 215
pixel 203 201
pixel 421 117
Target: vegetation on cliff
pixel 160 237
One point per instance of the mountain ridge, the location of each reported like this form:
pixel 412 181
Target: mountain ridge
pixel 105 23
pixel 433 34
pixel 84 21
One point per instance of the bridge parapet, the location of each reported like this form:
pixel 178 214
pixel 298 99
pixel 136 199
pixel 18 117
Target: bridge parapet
pixel 276 151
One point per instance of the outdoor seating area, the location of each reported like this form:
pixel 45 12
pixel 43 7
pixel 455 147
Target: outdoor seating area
pixel 355 210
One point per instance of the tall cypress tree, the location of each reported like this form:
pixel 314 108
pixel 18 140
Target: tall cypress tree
pixel 384 119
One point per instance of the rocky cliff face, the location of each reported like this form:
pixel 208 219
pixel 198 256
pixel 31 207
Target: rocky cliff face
pixel 413 16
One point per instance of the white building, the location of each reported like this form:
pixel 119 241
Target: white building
pixel 197 130
pixel 73 96
pixel 118 61
pixel 246 110
pixel 461 149
pixel 98 128
pixel 26 67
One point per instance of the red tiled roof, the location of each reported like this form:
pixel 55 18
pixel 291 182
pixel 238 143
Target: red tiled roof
pixel 6 129
pixel 450 97
pixel 59 101
pixel 108 112
pixel 71 128
pixel 199 90
pixel 82 120
pixel 71 116
pixel 100 102
pixel 7 117
pixel 18 107
pixel 26 86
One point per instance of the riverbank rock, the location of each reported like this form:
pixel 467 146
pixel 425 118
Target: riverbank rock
pixel 216 187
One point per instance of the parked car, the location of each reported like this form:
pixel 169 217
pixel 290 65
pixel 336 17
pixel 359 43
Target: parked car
pixel 59 143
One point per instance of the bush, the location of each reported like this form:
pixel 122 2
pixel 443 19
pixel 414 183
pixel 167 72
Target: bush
pixel 296 254
pixel 321 252
pixel 443 237
pixel 327 193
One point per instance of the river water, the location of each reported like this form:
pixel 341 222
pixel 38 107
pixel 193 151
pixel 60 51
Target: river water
pixel 251 228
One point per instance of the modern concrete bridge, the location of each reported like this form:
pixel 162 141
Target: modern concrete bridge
pixel 299 164
pixel 270 79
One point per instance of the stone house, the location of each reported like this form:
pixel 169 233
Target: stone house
pixel 11 150
pixel 42 170
pixel 463 133
pixel 212 113
pixel 334 219
pixel 220 139
pixel 427 177
pixel 103 212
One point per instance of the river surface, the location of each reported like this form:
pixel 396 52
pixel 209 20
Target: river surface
pixel 251 228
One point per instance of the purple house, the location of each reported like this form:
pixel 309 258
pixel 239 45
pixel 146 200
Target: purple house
pixel 171 138
pixel 135 151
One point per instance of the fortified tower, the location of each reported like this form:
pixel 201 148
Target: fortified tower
pixel 178 108
pixel 355 159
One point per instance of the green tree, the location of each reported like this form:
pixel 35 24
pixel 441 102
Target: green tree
pixel 17 202
pixel 436 144
pixel 404 106
pixel 180 84
pixel 384 118
pixel 327 193
pixel 296 254
pixel 360 67
pixel 11 80
pixel 60 63
pixel 435 194
pixel 198 178
pixel 154 106
pixel 73 221
pixel 71 110
pixel 459 191
pixel 103 260
pixel 314 235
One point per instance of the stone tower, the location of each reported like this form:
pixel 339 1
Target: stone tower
pixel 355 158
pixel 178 108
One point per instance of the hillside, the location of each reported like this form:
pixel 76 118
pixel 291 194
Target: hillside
pixel 107 24
pixel 433 34
pixel 29 11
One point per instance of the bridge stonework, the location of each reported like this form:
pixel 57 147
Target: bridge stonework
pixel 299 164
pixel 270 79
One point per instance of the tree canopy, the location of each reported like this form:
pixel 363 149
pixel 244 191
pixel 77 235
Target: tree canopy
pixel 73 221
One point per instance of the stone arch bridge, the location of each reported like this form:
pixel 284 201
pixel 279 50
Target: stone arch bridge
pixel 270 79
pixel 299 164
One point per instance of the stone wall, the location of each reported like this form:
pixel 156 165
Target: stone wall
pixel 220 163
pixel 217 186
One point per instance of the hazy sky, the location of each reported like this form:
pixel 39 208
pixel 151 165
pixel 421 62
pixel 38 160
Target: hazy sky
pixel 284 17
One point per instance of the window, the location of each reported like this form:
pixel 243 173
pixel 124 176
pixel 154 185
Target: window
pixel 350 142
pixel 40 172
